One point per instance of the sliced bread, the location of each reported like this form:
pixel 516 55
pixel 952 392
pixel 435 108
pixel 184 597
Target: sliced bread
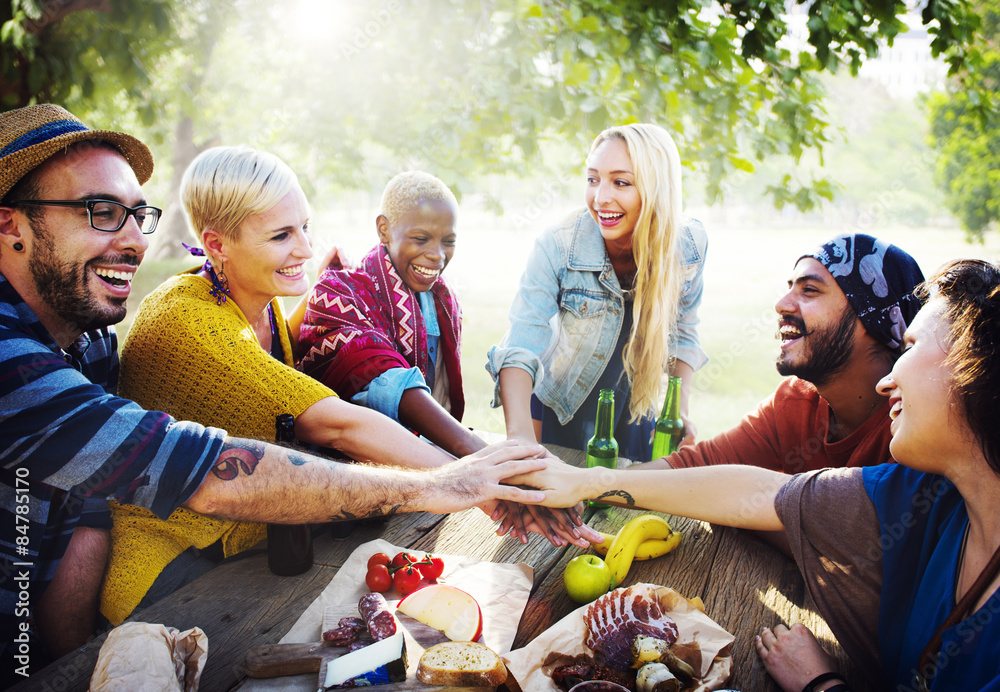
pixel 461 664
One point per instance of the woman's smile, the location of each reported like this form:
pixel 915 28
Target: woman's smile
pixel 293 271
pixel 609 219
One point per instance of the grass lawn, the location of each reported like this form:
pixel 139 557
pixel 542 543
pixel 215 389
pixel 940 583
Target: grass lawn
pixel 746 270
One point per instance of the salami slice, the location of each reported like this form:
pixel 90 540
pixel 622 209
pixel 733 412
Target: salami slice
pixel 378 617
pixel 353 623
pixel 341 636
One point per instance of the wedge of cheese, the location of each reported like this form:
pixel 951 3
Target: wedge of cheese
pixel 376 664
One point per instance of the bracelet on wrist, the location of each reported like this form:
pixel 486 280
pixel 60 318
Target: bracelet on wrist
pixel 827 677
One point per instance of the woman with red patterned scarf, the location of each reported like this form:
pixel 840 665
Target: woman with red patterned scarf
pixel 388 334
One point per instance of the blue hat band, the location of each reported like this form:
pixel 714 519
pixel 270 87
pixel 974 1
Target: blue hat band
pixel 43 134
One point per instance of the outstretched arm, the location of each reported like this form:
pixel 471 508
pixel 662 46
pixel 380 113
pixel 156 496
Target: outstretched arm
pixel 419 411
pixel 255 481
pixel 365 435
pixel 739 496
pixel 515 396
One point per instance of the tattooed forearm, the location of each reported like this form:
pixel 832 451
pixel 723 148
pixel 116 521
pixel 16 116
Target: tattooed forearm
pixel 621 494
pixel 344 515
pixel 238 455
pixel 297 459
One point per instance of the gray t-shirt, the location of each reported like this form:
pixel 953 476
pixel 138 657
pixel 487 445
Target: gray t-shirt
pixel 833 532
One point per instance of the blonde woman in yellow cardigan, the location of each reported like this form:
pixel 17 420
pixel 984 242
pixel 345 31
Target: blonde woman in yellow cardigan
pixel 211 345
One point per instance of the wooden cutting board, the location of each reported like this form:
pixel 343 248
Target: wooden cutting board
pixel 300 658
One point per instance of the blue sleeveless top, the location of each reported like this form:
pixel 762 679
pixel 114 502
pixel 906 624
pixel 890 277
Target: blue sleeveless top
pixel 923 520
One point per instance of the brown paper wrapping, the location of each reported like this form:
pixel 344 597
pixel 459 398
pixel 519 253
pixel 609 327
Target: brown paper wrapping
pixel 567 637
pixel 501 590
pixel 140 657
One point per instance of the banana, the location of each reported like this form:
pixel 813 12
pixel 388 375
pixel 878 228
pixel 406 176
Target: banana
pixel 602 548
pixel 656 547
pixel 623 548
pixel 647 550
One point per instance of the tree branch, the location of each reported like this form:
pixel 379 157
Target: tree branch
pixel 54 10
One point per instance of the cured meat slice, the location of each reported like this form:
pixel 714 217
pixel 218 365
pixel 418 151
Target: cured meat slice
pixel 378 617
pixel 341 636
pixel 615 619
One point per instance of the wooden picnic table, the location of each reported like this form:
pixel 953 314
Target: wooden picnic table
pixel 744 583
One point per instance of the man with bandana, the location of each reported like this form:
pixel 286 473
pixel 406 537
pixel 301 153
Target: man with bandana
pixel 840 325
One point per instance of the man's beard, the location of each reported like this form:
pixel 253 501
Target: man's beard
pixel 62 286
pixel 828 353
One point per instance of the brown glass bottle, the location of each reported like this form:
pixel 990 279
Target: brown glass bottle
pixel 289 546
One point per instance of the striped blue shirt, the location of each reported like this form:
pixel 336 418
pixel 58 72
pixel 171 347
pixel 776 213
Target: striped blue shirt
pixel 67 443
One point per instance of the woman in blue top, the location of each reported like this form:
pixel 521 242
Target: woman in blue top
pixel 609 300
pixel 902 560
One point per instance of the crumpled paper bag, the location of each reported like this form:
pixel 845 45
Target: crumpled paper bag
pixel 567 636
pixel 140 657
pixel 501 589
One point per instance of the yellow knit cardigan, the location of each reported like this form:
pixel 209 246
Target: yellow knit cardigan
pixel 196 361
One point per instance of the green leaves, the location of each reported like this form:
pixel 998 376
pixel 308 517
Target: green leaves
pixel 577 74
pixel 965 125
pixel 71 54
pixel 465 87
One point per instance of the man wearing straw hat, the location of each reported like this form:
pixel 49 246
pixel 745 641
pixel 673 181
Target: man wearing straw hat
pixel 73 230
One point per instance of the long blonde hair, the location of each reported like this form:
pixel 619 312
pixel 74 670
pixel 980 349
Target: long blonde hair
pixel 655 248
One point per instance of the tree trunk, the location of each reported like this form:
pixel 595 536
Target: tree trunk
pixel 173 229
pixel 174 223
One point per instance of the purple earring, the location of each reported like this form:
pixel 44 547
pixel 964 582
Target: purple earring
pixel 220 284
pixel 18 247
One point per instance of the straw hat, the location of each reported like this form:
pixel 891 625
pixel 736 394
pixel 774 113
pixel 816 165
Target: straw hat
pixel 30 135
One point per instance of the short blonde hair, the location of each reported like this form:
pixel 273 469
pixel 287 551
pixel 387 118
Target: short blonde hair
pixel 407 190
pixel 225 185
pixel 656 164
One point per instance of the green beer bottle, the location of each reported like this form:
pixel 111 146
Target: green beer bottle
pixel 602 449
pixel 669 427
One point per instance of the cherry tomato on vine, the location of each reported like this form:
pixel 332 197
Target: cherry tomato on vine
pixel 378 559
pixel 431 567
pixel 403 559
pixel 378 578
pixel 406 580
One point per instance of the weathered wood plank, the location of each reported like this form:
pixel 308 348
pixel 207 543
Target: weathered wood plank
pixel 745 585
pixel 239 605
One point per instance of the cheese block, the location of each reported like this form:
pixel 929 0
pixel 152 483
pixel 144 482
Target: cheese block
pixel 376 664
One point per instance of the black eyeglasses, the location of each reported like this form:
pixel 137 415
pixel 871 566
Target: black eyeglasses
pixel 105 214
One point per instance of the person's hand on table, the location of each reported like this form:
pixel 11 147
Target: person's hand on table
pixel 793 657
pixel 559 526
pixel 476 479
pixel 531 441
pixel 565 485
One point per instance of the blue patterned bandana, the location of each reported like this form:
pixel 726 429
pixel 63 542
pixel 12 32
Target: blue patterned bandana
pixel 878 280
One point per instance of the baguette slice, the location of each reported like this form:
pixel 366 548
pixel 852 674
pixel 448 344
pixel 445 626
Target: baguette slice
pixel 461 664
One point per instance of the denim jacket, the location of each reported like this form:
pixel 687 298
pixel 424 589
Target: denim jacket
pixel 566 318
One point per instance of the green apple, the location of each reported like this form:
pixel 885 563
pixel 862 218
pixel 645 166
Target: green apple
pixel 587 577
